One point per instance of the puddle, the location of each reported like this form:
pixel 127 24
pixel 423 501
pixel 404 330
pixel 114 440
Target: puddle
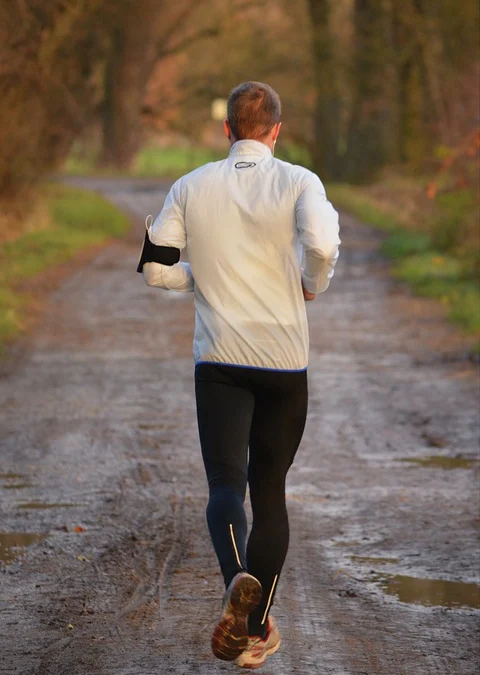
pixel 16 486
pixel 431 592
pixel 147 426
pixel 373 561
pixel 346 543
pixel 41 505
pixel 10 476
pixel 12 544
pixel 441 462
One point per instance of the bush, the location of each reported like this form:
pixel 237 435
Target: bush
pixel 452 223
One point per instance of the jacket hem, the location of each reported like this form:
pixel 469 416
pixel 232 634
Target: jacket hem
pixel 243 365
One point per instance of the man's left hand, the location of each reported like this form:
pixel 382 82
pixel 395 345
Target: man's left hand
pixel 307 295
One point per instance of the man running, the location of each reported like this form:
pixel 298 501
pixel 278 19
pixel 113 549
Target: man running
pixel 261 238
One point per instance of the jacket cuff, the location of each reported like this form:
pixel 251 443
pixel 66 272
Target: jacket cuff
pixel 309 284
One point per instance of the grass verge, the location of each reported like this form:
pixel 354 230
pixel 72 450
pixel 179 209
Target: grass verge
pixel 150 162
pixel 78 220
pixel 430 272
pixel 169 162
pixel 172 162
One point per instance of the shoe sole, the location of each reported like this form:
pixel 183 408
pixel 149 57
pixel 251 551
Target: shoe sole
pixel 258 664
pixel 230 637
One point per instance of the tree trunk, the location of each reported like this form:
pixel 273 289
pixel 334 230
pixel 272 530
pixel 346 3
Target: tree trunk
pixel 131 61
pixel 369 124
pixel 326 153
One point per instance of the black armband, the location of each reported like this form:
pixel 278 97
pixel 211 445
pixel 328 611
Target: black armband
pixel 165 255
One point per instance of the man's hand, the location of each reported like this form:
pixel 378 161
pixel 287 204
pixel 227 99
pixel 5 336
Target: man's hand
pixel 307 295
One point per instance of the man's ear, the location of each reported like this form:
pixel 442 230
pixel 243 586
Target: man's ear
pixel 227 130
pixel 276 130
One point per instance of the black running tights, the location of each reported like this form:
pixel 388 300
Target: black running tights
pixel 250 422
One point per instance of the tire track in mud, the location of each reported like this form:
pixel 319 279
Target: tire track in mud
pixel 100 413
pixel 153 590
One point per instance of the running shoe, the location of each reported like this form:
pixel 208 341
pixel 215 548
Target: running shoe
pixel 258 649
pixel 230 636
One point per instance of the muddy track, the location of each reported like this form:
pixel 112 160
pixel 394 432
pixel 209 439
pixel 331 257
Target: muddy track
pixel 97 432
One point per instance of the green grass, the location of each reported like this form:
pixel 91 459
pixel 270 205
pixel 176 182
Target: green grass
pixel 11 305
pixel 351 198
pixel 169 162
pixel 150 162
pixel 173 162
pixel 443 277
pixel 402 243
pixel 430 272
pixel 78 220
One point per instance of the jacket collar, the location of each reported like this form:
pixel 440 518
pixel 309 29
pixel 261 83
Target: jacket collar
pixel 249 147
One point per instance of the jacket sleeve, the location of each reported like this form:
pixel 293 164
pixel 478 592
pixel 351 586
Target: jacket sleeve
pixel 168 228
pixel 168 232
pixel 170 277
pixel 318 231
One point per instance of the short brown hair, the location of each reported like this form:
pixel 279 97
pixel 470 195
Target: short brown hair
pixel 252 110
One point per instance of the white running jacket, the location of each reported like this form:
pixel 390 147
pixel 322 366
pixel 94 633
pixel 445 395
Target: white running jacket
pixel 254 229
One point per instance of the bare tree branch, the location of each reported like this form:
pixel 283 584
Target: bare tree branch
pixel 188 40
pixel 211 31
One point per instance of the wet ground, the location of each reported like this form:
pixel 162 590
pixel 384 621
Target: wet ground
pixel 107 567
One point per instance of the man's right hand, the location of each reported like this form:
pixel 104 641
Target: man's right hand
pixel 307 295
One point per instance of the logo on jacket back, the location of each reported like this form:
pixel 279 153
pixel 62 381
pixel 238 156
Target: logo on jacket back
pixel 244 165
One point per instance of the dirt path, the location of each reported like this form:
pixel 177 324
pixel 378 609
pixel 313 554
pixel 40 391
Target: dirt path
pixel 98 418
